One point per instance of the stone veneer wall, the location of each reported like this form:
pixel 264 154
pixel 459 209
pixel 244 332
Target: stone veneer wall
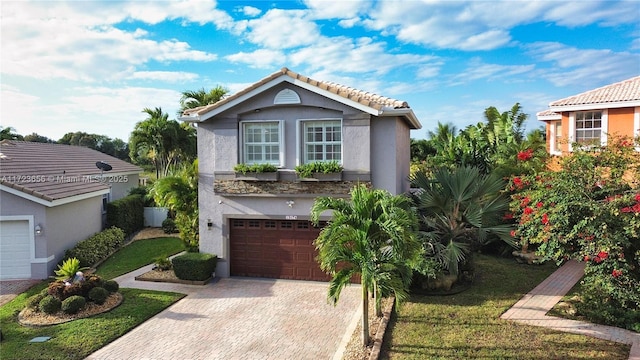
pixel 239 187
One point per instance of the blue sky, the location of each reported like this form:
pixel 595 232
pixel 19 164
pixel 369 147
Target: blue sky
pixel 93 66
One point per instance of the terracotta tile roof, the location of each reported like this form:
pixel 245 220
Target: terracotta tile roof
pixel 548 114
pixel 371 100
pixel 623 91
pixel 54 171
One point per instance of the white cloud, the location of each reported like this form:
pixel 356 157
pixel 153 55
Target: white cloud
pixel 323 9
pixel 165 76
pixel 64 45
pixel 251 11
pixel 261 58
pixel 282 29
pixel 476 70
pixel 570 66
pixel 101 110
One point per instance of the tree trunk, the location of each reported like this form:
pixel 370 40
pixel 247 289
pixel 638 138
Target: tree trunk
pixel 378 299
pixel 365 316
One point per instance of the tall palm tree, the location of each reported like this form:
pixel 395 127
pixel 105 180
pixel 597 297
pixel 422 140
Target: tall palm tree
pixel 154 138
pixel 371 235
pixel 459 209
pixel 195 98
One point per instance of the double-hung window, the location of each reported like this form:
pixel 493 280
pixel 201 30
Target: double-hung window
pixel 322 141
pixel 262 142
pixel 588 127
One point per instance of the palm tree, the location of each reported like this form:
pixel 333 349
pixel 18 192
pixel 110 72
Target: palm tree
pixel 179 193
pixel 192 99
pixel 371 235
pixel 459 209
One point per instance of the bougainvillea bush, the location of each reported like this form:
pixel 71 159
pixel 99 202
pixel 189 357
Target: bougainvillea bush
pixel 589 210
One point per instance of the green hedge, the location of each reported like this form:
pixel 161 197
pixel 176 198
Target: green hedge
pixel 97 248
pixel 126 213
pixel 194 266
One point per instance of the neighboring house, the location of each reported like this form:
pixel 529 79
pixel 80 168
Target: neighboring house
pixel 51 197
pixel 261 228
pixel 593 115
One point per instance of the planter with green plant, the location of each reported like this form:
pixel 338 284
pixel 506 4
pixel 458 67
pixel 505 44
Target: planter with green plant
pixel 256 172
pixel 319 171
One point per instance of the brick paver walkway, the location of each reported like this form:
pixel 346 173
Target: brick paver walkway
pixel 9 289
pixel 532 310
pixel 240 318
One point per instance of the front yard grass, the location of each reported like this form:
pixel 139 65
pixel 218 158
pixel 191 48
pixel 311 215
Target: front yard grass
pixel 468 325
pixel 79 338
pixel 138 254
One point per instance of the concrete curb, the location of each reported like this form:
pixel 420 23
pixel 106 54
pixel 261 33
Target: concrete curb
pixel 382 328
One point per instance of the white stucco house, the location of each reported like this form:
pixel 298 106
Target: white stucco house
pixel 261 228
pixel 51 197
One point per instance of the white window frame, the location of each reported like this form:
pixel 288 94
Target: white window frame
pixel 281 143
pixel 604 126
pixel 554 147
pixel 301 139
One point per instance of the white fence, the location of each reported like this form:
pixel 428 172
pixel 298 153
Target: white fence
pixel 154 216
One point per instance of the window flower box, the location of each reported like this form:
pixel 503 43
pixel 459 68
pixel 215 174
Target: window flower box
pixel 319 171
pixel 256 172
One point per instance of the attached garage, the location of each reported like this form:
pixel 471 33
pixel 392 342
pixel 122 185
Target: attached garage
pixel 15 249
pixel 279 249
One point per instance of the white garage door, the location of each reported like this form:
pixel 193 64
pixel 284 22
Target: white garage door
pixel 15 253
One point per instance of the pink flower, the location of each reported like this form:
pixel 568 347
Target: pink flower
pixel 507 216
pixel 597 260
pixel 545 219
pixel 586 258
pixel 528 210
pixel 637 197
pixel 525 155
pixel 513 233
pixel 603 255
pixel 615 273
pixel 539 204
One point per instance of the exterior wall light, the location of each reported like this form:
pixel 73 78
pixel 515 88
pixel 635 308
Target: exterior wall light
pixel 290 203
pixel 209 224
pixel 38 230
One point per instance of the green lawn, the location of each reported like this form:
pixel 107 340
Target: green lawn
pixel 138 254
pixel 467 325
pixel 77 339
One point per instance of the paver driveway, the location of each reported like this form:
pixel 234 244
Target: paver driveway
pixel 241 318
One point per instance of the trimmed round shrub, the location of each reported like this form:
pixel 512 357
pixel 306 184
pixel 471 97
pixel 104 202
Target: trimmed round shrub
pixel 73 304
pixel 34 301
pixel 194 266
pixel 72 290
pixel 49 305
pixel 98 295
pixel 111 286
pixel 169 226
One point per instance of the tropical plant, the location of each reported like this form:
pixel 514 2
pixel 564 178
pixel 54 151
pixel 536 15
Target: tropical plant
pixel 324 167
pixel 68 269
pixel 589 210
pixel 179 193
pixel 371 235
pixel 164 142
pixel 460 209
pixel 192 99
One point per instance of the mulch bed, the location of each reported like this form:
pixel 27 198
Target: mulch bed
pixel 37 318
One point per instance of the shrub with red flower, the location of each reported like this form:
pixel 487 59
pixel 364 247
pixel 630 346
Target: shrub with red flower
pixel 525 155
pixel 600 225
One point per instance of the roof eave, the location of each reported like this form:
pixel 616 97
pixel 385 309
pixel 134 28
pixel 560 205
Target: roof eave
pixel 595 106
pixel 407 113
pixel 47 201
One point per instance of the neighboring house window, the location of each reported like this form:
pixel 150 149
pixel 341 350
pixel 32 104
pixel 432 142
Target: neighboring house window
pixel 588 127
pixel 105 201
pixel 262 142
pixel 556 137
pixel 322 140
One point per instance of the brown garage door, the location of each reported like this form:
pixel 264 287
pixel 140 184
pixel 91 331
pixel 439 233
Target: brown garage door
pixel 274 249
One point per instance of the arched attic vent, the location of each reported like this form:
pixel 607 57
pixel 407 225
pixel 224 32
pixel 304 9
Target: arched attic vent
pixel 286 96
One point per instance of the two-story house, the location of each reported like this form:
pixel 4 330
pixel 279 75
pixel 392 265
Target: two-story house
pixel 261 228
pixel 593 115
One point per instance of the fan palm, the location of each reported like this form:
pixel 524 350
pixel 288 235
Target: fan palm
pixel 371 235
pixel 460 208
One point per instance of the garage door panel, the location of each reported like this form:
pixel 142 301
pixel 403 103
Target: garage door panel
pixel 284 251
pixel 15 249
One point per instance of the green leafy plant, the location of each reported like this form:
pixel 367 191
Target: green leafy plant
pixel 68 269
pixel 194 266
pixel 243 168
pixel 111 286
pixel 49 305
pixel 97 247
pixel 169 226
pixel 325 167
pixel 163 263
pixel 98 295
pixel 73 304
